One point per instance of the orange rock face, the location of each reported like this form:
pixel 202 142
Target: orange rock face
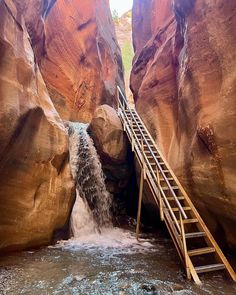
pixel 36 188
pixel 154 73
pixel 183 80
pixel 75 46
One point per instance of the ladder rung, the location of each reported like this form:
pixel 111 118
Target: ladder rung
pixel 192 220
pixel 129 115
pixel 210 267
pixel 185 209
pixel 154 152
pixel 201 251
pixel 141 136
pixel 195 235
pixel 138 126
pixel 166 188
pixel 172 198
pixel 170 183
pixel 169 178
pixel 151 157
pixel 161 163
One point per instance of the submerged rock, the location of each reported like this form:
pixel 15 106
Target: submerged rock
pixel 183 80
pixel 36 187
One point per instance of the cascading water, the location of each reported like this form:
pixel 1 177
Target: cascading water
pixel 91 211
pixel 91 221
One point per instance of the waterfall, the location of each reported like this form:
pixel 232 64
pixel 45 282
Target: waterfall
pixel 91 210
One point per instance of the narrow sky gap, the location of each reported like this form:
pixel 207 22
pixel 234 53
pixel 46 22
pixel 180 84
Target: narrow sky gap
pixel 121 6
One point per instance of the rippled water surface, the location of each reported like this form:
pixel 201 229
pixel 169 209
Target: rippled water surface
pixel 113 263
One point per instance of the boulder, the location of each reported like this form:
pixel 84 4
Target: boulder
pixel 108 134
pixel 112 146
pixel 36 187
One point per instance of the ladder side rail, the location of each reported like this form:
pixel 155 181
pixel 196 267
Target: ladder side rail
pixel 158 189
pixel 201 222
pixel 185 251
pixel 155 190
pixel 157 163
pixel 212 240
pixel 164 160
pixel 169 226
pixel 189 202
pixel 137 150
pixel 174 235
pixel 139 144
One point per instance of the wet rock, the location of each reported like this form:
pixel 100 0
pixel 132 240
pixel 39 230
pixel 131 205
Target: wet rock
pixel 177 287
pixel 36 187
pixel 184 88
pixel 150 289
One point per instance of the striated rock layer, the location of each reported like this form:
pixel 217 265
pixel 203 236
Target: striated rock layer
pixel 36 188
pixel 184 85
pixel 78 55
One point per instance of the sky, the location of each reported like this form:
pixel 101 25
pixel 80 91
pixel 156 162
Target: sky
pixel 121 6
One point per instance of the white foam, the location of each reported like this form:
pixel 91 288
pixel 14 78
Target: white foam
pixel 115 239
pixel 81 221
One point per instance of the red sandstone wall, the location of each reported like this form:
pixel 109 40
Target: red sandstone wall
pixel 184 85
pixel 36 187
pixel 78 55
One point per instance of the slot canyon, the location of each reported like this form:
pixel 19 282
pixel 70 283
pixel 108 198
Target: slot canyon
pixel 117 147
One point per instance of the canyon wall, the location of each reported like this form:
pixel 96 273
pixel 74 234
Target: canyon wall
pixel 36 188
pixel 184 85
pixel 77 52
pixel 59 60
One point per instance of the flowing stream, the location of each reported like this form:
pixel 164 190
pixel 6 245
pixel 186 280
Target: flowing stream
pixel 99 258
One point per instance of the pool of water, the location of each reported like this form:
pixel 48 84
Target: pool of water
pixel 111 263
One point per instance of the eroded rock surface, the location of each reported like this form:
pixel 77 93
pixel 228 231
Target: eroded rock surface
pixel 183 80
pixel 112 146
pixel 78 55
pixel 36 188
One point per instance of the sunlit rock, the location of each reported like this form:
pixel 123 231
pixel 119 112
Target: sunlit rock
pixel 36 188
pixel 78 55
pixel 183 81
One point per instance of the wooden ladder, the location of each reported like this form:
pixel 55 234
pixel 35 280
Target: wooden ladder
pixel 193 241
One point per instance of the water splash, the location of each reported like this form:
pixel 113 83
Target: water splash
pixel 91 211
pixel 109 241
pixel 91 223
